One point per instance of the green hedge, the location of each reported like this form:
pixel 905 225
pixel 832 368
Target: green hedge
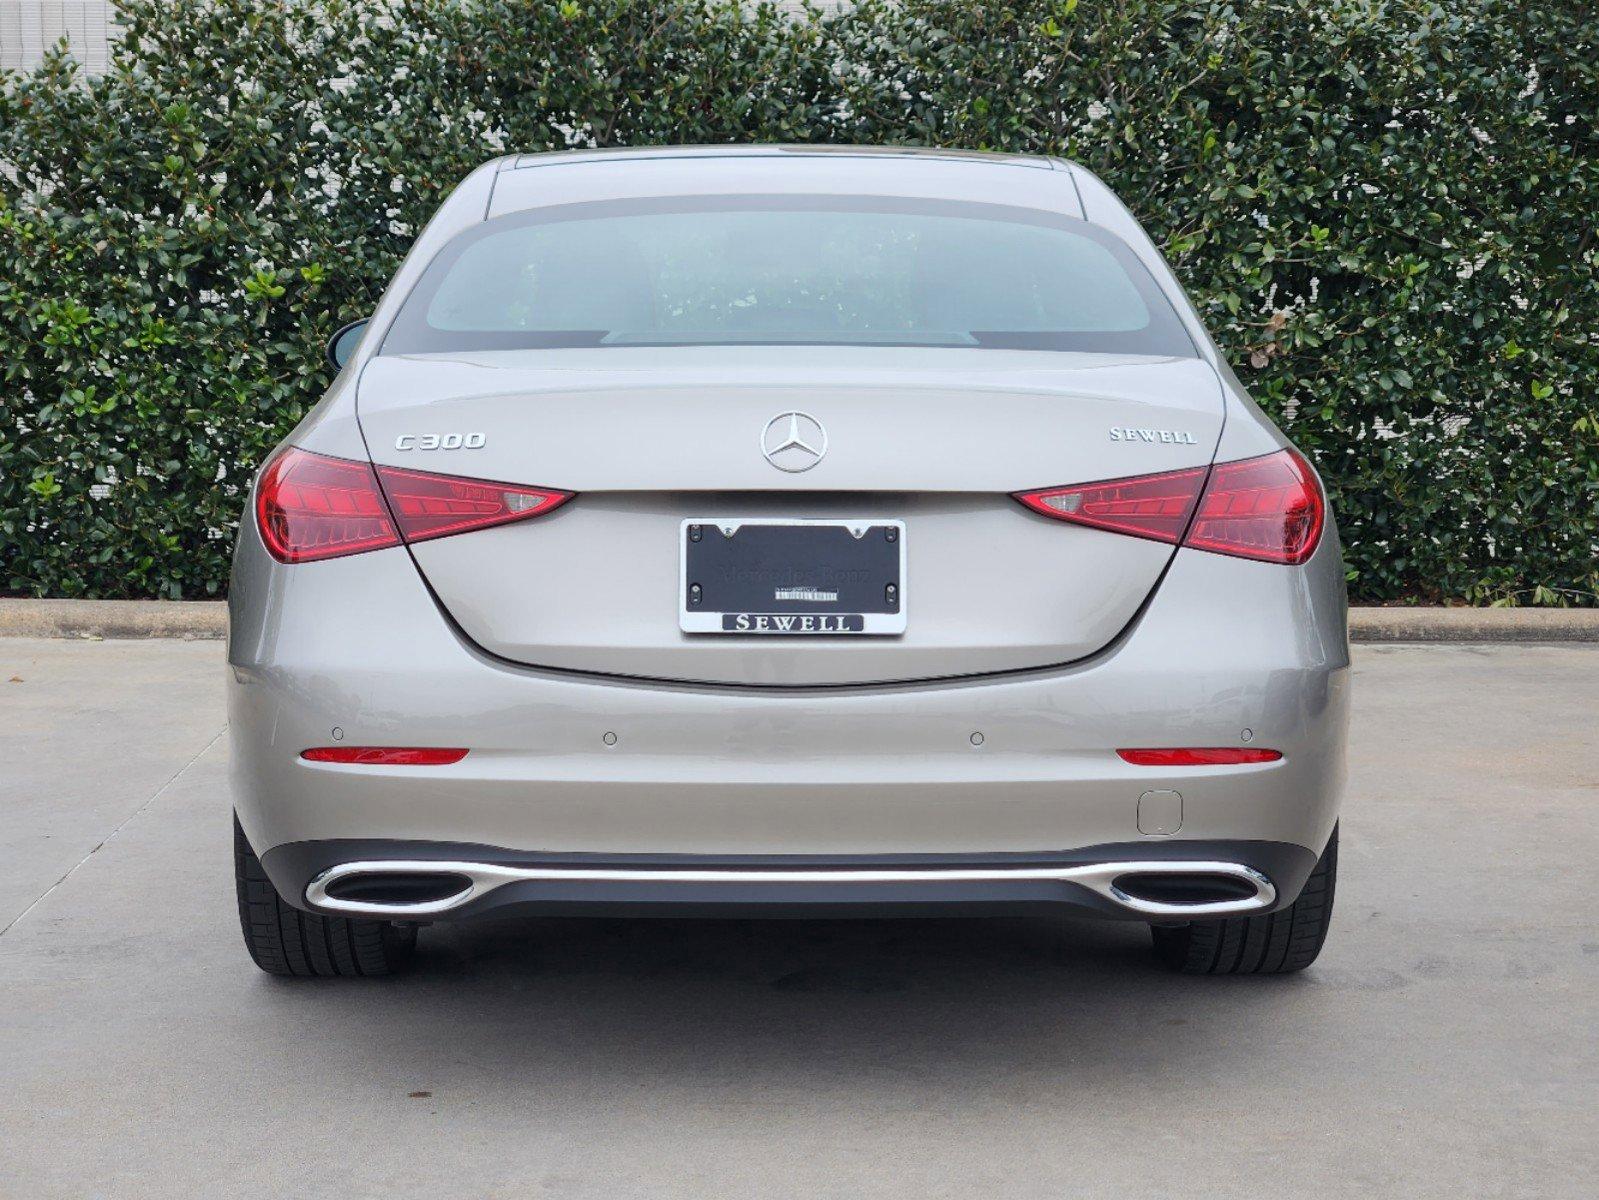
pixel 1384 208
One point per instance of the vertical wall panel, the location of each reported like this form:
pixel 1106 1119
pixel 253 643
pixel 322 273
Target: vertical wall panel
pixel 30 27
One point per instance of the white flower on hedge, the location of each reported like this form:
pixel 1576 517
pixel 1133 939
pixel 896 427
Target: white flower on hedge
pixel 577 137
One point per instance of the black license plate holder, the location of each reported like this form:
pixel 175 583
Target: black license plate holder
pixel 792 577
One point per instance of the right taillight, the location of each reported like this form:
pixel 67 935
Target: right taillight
pixel 1268 508
pixel 1157 507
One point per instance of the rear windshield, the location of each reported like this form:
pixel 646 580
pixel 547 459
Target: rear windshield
pixel 828 270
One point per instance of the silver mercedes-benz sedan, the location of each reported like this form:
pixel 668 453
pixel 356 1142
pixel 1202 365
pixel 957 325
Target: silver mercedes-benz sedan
pixel 777 531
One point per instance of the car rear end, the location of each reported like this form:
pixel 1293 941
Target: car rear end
pixel 830 610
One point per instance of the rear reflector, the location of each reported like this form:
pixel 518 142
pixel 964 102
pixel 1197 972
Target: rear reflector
pixel 1198 757
pixel 1268 508
pixel 312 506
pixel 385 756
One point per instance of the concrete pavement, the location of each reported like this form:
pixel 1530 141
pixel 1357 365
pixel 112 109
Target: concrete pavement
pixel 1443 1047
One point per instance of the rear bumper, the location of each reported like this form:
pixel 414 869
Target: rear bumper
pixel 1170 880
pixel 355 649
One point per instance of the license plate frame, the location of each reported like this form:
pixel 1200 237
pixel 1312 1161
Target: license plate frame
pixel 858 607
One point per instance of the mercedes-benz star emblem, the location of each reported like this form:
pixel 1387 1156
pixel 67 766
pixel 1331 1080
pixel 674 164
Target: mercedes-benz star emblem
pixel 794 441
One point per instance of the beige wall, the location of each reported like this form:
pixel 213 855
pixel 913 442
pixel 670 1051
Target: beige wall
pixel 29 27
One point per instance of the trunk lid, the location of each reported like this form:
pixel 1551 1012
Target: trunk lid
pixel 649 439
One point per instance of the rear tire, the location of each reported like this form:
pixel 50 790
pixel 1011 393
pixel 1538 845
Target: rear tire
pixel 286 941
pixel 1277 943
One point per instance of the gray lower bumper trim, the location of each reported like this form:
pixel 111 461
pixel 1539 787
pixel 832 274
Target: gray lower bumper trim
pixel 483 878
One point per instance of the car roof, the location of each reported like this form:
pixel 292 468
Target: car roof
pixel 773 150
pixel 577 176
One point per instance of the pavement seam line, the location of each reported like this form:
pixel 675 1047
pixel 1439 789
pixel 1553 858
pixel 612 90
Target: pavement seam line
pixel 121 825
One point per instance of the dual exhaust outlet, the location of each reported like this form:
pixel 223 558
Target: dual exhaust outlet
pixel 426 888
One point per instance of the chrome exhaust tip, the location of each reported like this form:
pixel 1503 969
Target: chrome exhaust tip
pixel 397 890
pixel 420 888
pixel 1176 888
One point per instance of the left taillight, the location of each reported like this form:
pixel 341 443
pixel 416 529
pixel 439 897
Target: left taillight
pixel 310 506
pixel 313 506
pixel 435 506
pixel 1269 508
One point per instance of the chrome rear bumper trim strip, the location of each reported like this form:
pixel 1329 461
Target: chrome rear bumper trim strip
pixel 486 877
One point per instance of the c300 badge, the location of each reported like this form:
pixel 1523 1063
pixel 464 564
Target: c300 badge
pixel 440 441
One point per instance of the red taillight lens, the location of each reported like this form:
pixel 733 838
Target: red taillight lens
pixel 433 506
pixel 1268 508
pixel 1214 756
pixel 1150 506
pixel 311 506
pixel 385 756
